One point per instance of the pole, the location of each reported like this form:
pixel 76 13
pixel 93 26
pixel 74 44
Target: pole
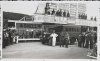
pixel 37 9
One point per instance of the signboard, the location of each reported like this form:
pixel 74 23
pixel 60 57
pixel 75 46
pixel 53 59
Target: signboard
pixel 27 25
pixel 81 8
pixel 49 19
pixel 73 10
pixel 53 5
pixel 29 18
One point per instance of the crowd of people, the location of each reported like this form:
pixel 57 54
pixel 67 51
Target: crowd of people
pixel 62 13
pixel 82 16
pixel 59 12
pixel 9 37
pixel 85 40
pixel 53 38
pixel 88 40
pixel 94 18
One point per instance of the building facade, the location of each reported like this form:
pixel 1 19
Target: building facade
pixel 51 18
pixel 74 9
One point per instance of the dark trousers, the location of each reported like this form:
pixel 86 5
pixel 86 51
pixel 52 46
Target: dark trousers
pixel 62 43
pixel 66 43
pixel 11 41
pixel 4 43
pixel 79 44
pixel 82 43
pixel 7 41
pixel 50 42
pixel 43 40
pixel 89 45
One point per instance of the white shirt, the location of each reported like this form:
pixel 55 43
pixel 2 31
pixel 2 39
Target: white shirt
pixel 54 36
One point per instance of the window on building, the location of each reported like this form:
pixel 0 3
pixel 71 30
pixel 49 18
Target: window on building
pixel 66 29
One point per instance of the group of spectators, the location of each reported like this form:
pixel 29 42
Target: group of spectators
pixel 82 16
pixel 88 40
pixel 64 39
pixel 9 37
pixel 53 38
pixel 85 40
pixel 62 13
pixel 94 18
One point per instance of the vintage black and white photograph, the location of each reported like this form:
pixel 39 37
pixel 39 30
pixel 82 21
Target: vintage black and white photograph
pixel 50 30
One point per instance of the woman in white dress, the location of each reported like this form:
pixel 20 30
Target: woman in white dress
pixel 53 35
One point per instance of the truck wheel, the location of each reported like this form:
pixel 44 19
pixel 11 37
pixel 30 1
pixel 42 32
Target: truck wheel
pixel 72 40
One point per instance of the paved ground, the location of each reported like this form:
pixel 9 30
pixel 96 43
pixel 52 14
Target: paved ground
pixel 36 50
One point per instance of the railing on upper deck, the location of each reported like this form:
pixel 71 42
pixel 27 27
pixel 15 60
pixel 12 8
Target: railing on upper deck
pixel 64 20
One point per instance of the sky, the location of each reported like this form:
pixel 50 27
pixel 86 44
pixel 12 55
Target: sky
pixel 30 7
